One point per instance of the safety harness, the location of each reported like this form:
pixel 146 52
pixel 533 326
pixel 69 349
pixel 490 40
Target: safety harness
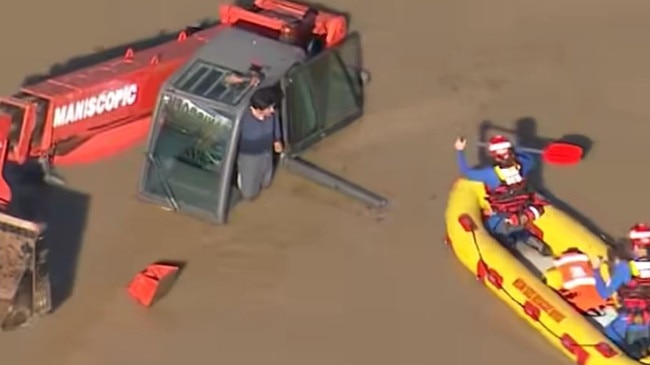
pixel 635 295
pixel 513 197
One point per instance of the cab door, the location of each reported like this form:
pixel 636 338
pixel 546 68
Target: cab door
pixel 323 95
pixel 186 158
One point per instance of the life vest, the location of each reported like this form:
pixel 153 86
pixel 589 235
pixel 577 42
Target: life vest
pixel 509 175
pixel 579 284
pixel 635 295
pixel 512 196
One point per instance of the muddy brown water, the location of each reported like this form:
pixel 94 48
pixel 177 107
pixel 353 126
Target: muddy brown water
pixel 304 276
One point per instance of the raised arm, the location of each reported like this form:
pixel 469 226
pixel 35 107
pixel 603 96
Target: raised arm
pixel 528 161
pixel 468 172
pixel 485 175
pixel 621 274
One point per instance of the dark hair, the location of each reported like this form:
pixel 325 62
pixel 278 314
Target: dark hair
pixel 266 97
pixel 621 249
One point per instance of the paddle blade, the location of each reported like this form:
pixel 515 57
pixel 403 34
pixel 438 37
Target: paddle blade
pixel 562 153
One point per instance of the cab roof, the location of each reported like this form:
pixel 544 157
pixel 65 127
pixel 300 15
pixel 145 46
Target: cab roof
pixel 237 49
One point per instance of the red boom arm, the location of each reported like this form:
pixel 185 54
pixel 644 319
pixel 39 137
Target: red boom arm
pixel 100 111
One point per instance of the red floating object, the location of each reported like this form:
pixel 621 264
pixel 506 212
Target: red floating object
pixel 152 283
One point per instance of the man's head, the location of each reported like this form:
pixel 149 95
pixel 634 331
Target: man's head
pixel 502 151
pixel 264 101
pixel 639 236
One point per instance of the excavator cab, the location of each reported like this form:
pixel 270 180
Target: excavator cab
pixel 191 159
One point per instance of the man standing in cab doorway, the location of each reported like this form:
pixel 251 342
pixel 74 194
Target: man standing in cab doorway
pixel 260 137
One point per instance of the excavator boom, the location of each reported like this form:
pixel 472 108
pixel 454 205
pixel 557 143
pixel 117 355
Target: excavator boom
pixel 101 110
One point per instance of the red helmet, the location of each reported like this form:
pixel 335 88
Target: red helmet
pixel 639 235
pixel 572 250
pixel 500 148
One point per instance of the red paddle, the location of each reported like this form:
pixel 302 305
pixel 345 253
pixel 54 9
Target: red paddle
pixel 562 153
pixel 555 153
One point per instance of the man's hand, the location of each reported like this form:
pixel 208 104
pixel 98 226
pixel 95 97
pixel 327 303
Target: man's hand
pixel 460 144
pixel 596 262
pixel 278 147
pixel 234 79
pixel 517 220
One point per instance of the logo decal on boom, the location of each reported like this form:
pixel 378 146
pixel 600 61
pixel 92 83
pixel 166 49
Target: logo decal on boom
pixel 106 101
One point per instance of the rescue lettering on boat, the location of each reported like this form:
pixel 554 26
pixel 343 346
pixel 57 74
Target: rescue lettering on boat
pixel 537 299
pixel 106 101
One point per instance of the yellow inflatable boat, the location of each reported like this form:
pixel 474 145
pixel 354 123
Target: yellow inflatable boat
pixel 516 277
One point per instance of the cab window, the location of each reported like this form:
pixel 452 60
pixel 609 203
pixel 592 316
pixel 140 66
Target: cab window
pixel 323 95
pixel 186 161
pixel 300 108
pixel 343 100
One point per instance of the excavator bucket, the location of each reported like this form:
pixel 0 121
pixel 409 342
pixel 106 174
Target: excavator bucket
pixel 24 280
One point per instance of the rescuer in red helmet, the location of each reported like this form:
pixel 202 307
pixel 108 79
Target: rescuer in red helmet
pixel 630 279
pixel 512 204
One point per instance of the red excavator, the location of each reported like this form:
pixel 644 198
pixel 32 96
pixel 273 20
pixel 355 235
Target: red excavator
pixel 102 110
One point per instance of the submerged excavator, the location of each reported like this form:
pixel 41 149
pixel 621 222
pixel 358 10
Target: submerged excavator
pixel 105 109
pixel 192 148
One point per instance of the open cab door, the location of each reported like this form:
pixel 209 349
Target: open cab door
pixel 189 159
pixel 323 96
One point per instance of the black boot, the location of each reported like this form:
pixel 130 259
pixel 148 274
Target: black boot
pixel 636 342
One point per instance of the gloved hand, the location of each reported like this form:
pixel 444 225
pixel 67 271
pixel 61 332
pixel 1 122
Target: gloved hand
pixel 529 214
pixel 517 219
